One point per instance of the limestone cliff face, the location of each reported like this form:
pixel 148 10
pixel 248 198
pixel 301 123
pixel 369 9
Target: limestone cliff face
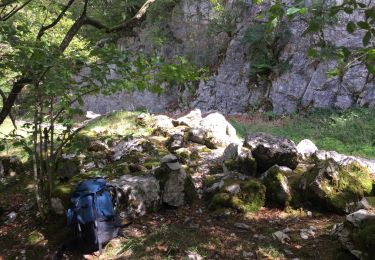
pixel 230 88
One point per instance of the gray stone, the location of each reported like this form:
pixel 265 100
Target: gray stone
pixel 57 206
pixel 269 150
pixel 218 131
pixel 139 194
pixel 177 187
pixel 191 120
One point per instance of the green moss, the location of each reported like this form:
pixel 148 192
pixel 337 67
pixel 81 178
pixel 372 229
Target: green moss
pixel 210 179
pixel 336 190
pixel 371 200
pixel 277 188
pixel 250 199
pixel 364 238
pixel 189 190
pixel 231 164
pixel 34 238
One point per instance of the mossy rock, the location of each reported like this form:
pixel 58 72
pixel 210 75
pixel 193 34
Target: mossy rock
pixel 363 238
pixel 330 186
pixel 250 198
pixel 278 191
pixel 246 162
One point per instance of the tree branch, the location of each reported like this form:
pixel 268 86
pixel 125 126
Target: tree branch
pixel 14 11
pixel 56 21
pixel 10 113
pixel 134 20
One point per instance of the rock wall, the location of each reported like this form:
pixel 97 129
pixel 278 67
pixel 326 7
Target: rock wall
pixel 230 88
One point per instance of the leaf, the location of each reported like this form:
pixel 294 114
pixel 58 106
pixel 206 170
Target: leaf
pixel 313 27
pixel 348 10
pixel 366 39
pixel 371 68
pixel 351 27
pixel 2 147
pixel 364 25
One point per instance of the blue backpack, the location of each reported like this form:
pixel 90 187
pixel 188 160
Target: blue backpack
pixel 92 215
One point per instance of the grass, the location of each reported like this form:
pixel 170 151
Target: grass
pixel 349 132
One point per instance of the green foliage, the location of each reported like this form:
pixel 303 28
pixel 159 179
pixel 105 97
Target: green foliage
pixel 264 50
pixel 350 132
pixel 320 14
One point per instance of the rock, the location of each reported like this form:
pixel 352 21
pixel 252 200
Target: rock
pixel 11 217
pixel 356 218
pixel 233 189
pixel 342 159
pixel 10 165
pixel 250 198
pixel 242 226
pixel 356 233
pixel 269 150
pixel 162 124
pixel 334 187
pixel 192 120
pixel 281 236
pixel 92 115
pixel 139 194
pixel 278 192
pixel 218 131
pixel 194 256
pixel 97 146
pixel 238 158
pixel 177 187
pixel 247 254
pixel 176 141
pixel 68 167
pixel 306 148
pixel 57 206
pixel 307 233
pixel 231 151
pixel 132 150
pixel 197 135
pixel 142 120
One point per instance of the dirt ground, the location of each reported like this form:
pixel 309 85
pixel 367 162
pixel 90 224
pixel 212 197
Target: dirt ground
pixel 175 234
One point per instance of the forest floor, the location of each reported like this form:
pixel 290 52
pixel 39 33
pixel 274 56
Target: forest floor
pixel 175 233
pixel 193 230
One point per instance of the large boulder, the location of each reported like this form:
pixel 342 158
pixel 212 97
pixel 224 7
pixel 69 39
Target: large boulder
pixel 335 187
pixel 176 185
pixel 139 194
pixel 218 132
pixel 10 165
pixel 193 119
pixel 269 150
pixel 306 148
pixel 246 195
pixel 278 191
pixel 342 159
pixel 357 234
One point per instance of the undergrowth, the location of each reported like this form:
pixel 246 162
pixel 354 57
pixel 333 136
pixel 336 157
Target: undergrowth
pixel 349 132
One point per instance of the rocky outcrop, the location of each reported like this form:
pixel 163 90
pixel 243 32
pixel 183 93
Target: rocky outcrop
pixel 230 88
pixel 270 150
